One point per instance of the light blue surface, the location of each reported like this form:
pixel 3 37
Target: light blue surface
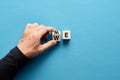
pixel 93 53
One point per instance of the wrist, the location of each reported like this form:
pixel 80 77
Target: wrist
pixel 23 50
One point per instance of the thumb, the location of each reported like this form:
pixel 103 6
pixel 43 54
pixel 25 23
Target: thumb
pixel 47 45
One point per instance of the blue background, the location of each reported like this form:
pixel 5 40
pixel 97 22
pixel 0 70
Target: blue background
pixel 93 53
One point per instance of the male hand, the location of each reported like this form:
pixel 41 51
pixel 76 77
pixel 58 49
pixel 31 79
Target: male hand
pixel 30 44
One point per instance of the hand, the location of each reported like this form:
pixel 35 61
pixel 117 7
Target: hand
pixel 30 44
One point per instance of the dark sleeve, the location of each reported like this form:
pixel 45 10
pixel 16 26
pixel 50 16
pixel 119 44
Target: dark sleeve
pixel 11 63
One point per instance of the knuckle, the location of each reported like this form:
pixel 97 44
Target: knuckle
pixel 35 24
pixel 28 25
pixel 42 26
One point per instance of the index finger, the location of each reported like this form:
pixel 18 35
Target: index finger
pixel 50 29
pixel 45 30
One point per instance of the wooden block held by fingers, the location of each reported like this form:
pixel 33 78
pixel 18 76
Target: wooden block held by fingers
pixel 56 35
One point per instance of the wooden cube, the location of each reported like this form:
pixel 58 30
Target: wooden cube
pixel 56 35
pixel 66 35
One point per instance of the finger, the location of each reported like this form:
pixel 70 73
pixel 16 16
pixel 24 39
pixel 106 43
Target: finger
pixel 50 29
pixel 35 24
pixel 47 45
pixel 28 25
pixel 42 25
pixel 44 30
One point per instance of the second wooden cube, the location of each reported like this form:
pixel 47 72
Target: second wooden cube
pixel 66 35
